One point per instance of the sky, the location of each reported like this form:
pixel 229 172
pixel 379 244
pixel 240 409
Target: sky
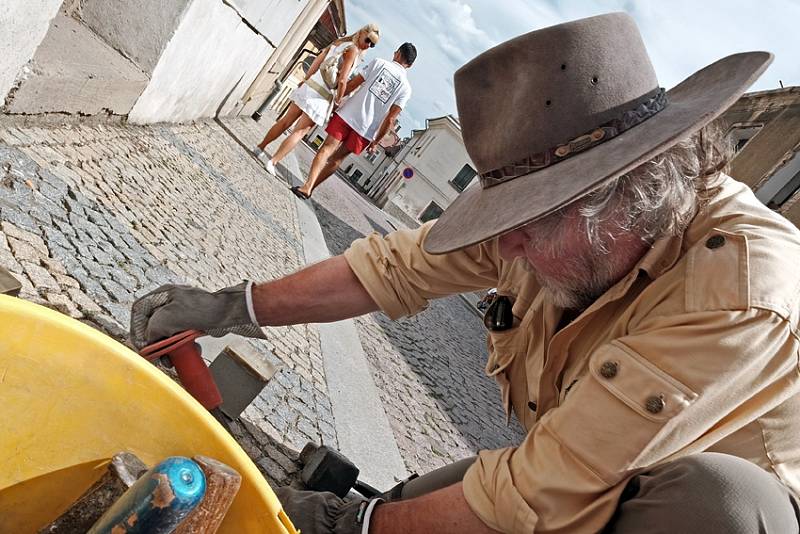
pixel 682 36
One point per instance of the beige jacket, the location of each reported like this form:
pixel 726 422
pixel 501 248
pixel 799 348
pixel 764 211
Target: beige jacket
pixel 696 349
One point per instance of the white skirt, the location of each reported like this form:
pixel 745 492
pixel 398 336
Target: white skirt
pixel 312 104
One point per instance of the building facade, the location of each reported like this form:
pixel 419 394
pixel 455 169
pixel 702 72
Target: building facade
pixel 765 129
pixel 432 170
pixel 149 60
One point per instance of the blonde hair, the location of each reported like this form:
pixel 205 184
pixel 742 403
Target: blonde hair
pixel 353 37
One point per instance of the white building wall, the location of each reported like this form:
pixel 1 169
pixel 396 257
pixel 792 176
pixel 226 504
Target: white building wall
pixel 140 29
pixel 212 58
pixel 23 25
pixel 272 18
pixel 436 158
pixel 295 39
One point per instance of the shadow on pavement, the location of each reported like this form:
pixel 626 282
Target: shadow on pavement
pixel 338 235
pixel 377 227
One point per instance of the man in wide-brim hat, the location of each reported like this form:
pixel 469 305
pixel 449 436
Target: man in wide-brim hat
pixel 645 328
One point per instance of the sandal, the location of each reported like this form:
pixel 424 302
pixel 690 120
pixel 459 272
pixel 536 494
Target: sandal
pixel 298 193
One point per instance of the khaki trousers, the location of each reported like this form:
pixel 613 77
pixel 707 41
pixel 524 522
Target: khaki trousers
pixel 709 493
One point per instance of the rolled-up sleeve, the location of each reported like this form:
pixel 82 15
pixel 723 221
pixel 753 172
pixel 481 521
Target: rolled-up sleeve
pixel 680 384
pixel 401 277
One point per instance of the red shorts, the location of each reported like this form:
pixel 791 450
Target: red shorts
pixel 344 132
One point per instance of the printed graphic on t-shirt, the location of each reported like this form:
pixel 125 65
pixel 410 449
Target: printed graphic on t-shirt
pixel 385 86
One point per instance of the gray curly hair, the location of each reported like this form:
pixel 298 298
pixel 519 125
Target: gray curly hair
pixel 654 200
pixel 659 197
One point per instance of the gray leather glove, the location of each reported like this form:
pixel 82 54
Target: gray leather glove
pixel 322 512
pixel 171 309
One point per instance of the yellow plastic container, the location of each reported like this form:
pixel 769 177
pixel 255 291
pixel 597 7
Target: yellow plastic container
pixel 71 397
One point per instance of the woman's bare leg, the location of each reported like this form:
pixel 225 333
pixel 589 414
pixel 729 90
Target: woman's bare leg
pixel 327 160
pixel 301 128
pixel 283 123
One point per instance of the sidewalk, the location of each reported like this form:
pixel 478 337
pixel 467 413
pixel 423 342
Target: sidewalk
pixel 93 215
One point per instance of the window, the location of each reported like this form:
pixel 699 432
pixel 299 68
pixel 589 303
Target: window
pixel 786 192
pixel 431 212
pixel 782 185
pixel 307 61
pixel 463 178
pixel 371 157
pixel 356 175
pixel 741 134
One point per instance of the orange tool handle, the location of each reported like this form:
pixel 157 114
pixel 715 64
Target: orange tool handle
pixel 195 375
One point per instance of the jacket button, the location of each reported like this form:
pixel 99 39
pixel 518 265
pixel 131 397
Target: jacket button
pixel 532 405
pixel 609 369
pixel 715 241
pixel 655 404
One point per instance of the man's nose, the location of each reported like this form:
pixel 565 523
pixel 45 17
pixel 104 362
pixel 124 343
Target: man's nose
pixel 511 244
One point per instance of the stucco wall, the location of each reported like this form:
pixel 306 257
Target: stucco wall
pixel 272 18
pixel 140 29
pixel 23 25
pixel 415 195
pixel 436 159
pixel 213 57
pixel 441 160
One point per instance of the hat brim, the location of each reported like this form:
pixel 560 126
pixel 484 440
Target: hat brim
pixel 480 214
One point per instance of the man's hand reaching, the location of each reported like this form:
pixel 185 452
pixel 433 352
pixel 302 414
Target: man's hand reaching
pixel 171 309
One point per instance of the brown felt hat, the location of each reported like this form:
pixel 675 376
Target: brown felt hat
pixel 551 115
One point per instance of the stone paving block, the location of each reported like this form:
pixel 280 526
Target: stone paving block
pixel 308 428
pixel 18 217
pixel 276 475
pixel 83 302
pixel 52 265
pixel 24 251
pixel 66 281
pixel 62 303
pixel 23 235
pixel 27 289
pixel 109 325
pixel 120 312
pixel 40 278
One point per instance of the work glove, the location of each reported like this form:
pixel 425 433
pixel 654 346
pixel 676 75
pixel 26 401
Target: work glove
pixel 171 309
pixel 322 512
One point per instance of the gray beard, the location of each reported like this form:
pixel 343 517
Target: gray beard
pixel 585 283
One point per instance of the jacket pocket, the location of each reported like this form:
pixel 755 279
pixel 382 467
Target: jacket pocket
pixel 617 417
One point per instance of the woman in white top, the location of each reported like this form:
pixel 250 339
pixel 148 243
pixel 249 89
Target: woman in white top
pixel 314 99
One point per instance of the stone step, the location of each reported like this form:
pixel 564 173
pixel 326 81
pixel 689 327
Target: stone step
pixel 74 71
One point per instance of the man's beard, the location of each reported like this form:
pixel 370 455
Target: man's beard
pixel 582 283
pixel 581 278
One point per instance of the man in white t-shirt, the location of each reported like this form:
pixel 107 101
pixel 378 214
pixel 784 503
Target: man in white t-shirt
pixel 381 92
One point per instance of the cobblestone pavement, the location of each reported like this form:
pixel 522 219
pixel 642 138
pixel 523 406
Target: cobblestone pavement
pixel 428 368
pixel 92 216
